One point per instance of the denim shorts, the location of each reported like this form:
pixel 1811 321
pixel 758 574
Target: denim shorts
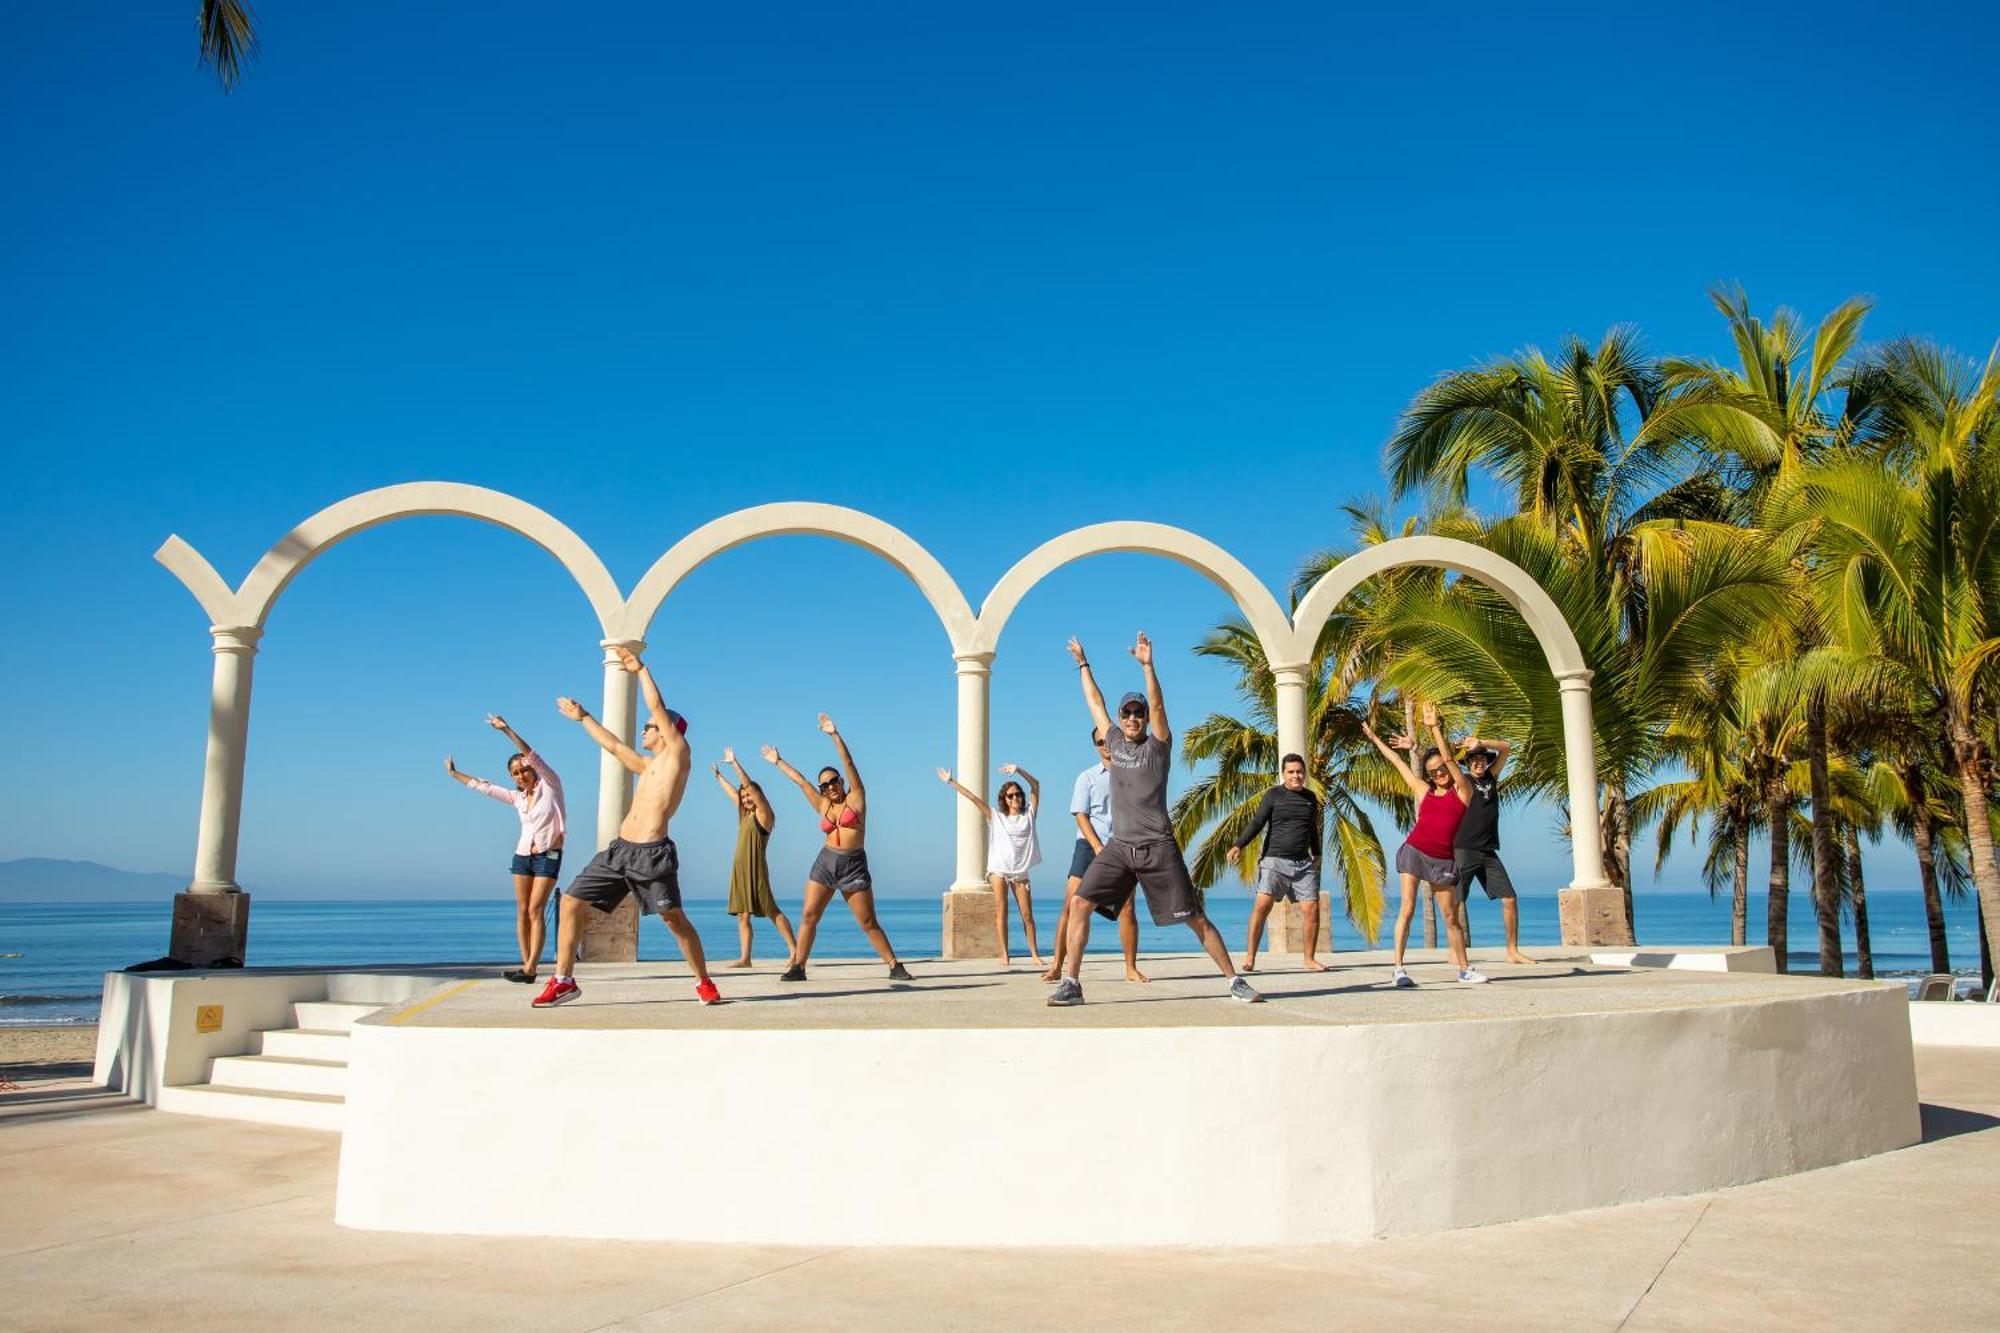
pixel 541 865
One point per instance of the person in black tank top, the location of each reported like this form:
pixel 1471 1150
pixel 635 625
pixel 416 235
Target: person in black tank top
pixel 1475 849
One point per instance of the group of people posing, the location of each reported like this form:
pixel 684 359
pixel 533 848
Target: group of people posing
pixel 1125 844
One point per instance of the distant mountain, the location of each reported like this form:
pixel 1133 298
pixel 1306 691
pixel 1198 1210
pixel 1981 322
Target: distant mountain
pixel 44 879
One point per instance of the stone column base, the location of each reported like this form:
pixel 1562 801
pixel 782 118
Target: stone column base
pixel 1593 916
pixel 610 937
pixel 1284 929
pixel 968 924
pixel 209 929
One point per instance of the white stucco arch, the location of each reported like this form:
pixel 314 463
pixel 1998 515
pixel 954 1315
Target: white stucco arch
pixel 250 603
pixel 1201 555
pixel 800 518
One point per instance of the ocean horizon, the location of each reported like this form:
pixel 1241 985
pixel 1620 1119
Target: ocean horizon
pixel 53 956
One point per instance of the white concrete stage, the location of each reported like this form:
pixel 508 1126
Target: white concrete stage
pixel 960 1110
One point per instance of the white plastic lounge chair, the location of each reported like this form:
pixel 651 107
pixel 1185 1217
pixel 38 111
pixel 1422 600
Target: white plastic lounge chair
pixel 1937 986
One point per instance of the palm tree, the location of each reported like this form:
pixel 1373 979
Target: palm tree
pixel 1908 544
pixel 1649 597
pixel 1760 422
pixel 1710 744
pixel 227 33
pixel 1342 768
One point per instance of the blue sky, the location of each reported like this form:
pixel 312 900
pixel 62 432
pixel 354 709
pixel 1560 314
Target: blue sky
pixel 988 274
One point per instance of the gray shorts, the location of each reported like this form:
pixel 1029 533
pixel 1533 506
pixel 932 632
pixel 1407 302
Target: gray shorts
pixel 1438 874
pixel 846 871
pixel 650 870
pixel 1285 879
pixel 1484 867
pixel 1157 868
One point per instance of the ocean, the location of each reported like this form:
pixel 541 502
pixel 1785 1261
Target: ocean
pixel 53 956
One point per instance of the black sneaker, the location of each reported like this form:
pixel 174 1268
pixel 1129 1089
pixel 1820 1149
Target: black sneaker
pixel 1066 993
pixel 796 972
pixel 516 974
pixel 900 973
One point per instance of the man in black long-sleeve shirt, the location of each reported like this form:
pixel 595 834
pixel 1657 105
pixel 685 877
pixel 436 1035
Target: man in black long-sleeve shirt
pixel 1288 868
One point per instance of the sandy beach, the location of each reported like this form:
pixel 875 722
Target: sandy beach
pixel 39 1054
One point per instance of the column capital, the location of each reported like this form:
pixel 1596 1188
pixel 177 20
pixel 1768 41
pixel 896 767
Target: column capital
pixel 1291 673
pixel 241 639
pixel 1576 680
pixel 634 646
pixel 974 664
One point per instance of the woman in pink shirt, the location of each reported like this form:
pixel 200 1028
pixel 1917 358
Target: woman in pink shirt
pixel 1441 793
pixel 538 798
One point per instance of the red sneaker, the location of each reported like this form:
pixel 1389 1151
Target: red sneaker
pixel 706 992
pixel 557 992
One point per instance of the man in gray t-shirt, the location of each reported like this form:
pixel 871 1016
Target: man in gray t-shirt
pixel 1142 853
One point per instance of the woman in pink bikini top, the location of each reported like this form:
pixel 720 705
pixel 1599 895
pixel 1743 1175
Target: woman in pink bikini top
pixel 841 803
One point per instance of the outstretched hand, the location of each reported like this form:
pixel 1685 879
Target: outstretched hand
pixel 627 658
pixel 728 754
pixel 1430 714
pixel 826 725
pixel 1076 651
pixel 450 767
pixel 770 753
pixel 571 709
pixel 497 722
pixel 1143 649
pixel 1010 769
pixel 944 775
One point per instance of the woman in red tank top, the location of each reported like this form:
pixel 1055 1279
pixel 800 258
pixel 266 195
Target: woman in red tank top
pixel 1441 793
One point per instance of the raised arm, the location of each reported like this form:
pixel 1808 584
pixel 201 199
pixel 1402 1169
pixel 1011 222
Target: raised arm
pixel 813 799
pixel 654 703
pixel 722 782
pixel 944 776
pixel 499 724
pixel 1501 749
pixel 1156 703
pixel 1401 766
pixel 761 810
pixel 1093 697
pixel 846 758
pixel 1034 785
pixel 1459 782
pixel 598 732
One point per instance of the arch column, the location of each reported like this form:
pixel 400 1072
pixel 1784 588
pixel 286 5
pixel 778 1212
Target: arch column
pixel 212 918
pixel 613 937
pixel 1286 925
pixel 968 903
pixel 1591 909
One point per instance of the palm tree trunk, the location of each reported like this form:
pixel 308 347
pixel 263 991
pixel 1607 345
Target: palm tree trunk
pixel 1617 837
pixel 1826 889
pixel 1430 918
pixel 1781 881
pixel 1968 753
pixel 1923 835
pixel 1739 900
pixel 1864 949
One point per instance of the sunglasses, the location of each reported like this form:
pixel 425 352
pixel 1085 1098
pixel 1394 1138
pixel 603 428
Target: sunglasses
pixel 1132 712
pixel 1434 772
pixel 829 784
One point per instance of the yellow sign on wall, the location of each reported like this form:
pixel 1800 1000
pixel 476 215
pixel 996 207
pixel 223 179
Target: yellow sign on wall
pixel 208 1018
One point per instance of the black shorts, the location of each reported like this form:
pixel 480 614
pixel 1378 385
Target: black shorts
pixel 652 870
pixel 1156 867
pixel 1484 867
pixel 1080 859
pixel 846 871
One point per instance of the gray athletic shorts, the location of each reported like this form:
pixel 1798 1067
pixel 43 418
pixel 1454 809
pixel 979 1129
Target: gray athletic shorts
pixel 1438 874
pixel 1484 867
pixel 846 871
pixel 1155 867
pixel 651 870
pixel 1286 879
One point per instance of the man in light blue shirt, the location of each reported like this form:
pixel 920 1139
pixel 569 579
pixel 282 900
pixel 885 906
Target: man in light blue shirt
pixel 1090 803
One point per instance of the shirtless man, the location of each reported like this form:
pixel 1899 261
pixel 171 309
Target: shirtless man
pixel 641 859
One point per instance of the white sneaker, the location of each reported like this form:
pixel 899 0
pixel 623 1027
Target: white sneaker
pixel 1470 978
pixel 1402 980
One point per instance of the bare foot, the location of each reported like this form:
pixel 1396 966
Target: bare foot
pixel 741 962
pixel 1052 975
pixel 1249 965
pixel 1036 959
pixel 1134 974
pixel 1315 965
pixel 1519 958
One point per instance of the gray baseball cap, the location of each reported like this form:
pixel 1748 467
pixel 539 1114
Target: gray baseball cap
pixel 1134 697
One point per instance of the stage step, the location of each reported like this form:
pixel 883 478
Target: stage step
pixel 294 1076
pixel 306 1110
pixel 278 1073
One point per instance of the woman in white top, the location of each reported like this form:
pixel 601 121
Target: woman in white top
pixel 537 796
pixel 1011 849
